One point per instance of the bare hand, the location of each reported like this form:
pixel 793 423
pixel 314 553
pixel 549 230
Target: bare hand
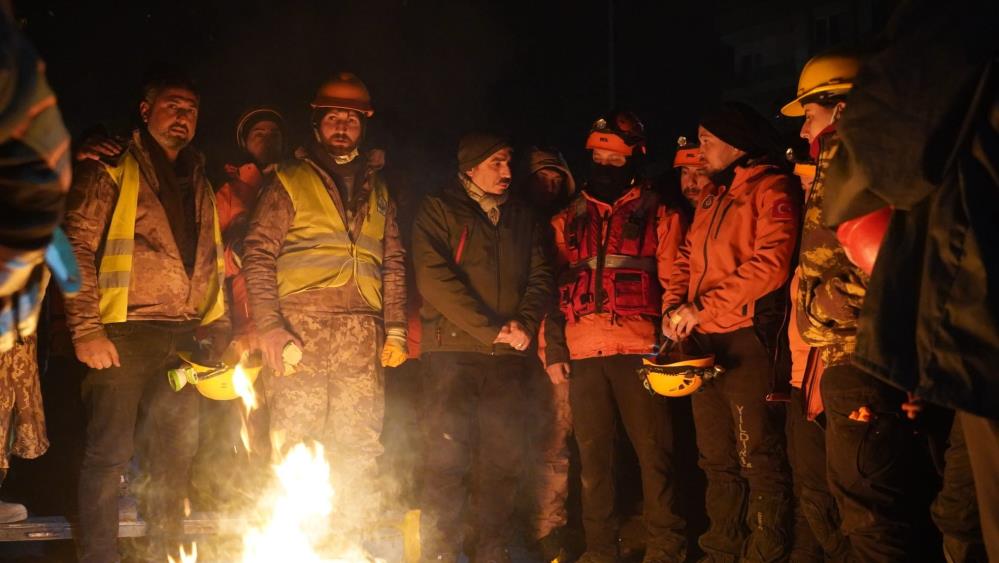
pixel 98 147
pixel 98 353
pixel 558 373
pixel 682 321
pixel 272 345
pixel 668 327
pixel 514 334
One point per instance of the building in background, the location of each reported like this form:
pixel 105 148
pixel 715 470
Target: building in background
pixel 769 41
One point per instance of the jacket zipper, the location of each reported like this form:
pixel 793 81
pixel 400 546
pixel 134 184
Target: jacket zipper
pixel 499 277
pixel 602 242
pixel 714 215
pixel 722 218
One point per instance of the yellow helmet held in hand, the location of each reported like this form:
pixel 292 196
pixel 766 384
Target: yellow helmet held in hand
pixel 679 375
pixel 825 75
pixel 214 382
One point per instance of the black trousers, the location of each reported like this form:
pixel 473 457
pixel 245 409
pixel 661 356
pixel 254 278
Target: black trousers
pixel 955 508
pixel 817 536
pixel 741 441
pixel 871 465
pixel 474 413
pixel 601 392
pixel 113 399
pixel 982 437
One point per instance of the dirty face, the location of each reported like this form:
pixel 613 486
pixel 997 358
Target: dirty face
pixel 171 117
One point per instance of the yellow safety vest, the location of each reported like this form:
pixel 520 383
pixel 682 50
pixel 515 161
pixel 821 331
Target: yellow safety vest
pixel 115 271
pixel 318 251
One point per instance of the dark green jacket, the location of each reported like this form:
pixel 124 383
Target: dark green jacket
pixel 474 276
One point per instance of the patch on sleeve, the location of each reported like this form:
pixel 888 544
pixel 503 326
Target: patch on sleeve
pixel 783 209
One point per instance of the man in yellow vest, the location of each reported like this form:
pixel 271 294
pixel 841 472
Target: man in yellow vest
pixel 145 232
pixel 325 269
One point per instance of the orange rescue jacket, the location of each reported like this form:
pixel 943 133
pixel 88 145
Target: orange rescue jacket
pixel 739 248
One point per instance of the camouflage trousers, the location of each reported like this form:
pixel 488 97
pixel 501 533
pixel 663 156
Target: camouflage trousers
pixel 22 419
pixel 336 397
pixel 548 470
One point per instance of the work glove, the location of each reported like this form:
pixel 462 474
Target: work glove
pixel 394 352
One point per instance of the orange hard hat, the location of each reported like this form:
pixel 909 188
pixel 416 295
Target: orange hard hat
pixel 621 132
pixel 688 154
pixel 345 91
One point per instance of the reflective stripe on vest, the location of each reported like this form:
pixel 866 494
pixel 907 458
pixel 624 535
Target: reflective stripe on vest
pixel 115 271
pixel 318 251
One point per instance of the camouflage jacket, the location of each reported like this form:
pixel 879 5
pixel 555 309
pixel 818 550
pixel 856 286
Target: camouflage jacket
pixel 831 289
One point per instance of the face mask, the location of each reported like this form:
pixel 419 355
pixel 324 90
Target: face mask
pixel 607 183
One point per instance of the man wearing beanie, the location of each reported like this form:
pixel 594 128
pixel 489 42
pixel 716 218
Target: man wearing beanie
pixel 726 297
pixel 486 283
pixel 616 243
pixel 325 270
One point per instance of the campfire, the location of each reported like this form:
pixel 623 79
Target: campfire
pixel 292 519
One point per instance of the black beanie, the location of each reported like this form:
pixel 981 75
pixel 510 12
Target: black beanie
pixel 476 147
pixel 742 127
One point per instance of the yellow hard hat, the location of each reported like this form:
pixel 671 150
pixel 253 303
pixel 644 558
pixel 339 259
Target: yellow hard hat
pixel 345 91
pixel 215 383
pixel 829 74
pixel 682 376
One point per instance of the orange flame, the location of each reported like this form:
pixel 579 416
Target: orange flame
pixel 186 557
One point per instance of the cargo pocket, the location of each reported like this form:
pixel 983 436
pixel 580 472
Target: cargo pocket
pixel 576 295
pixel 629 291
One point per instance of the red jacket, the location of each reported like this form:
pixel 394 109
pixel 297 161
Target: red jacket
pixel 604 333
pixel 739 248
pixel 236 201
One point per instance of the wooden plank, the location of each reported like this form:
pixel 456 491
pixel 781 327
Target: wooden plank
pixel 58 528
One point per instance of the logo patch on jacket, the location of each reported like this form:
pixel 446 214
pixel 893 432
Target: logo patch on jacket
pixel 783 210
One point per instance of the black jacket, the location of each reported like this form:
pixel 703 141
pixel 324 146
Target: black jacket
pixel 917 135
pixel 474 276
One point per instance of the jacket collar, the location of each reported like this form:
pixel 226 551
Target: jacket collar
pixel 141 153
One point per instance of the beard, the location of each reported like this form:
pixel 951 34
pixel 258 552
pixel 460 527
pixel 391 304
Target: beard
pixel 340 145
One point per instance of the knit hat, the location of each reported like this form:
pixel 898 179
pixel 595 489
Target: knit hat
pixel 474 148
pixel 742 127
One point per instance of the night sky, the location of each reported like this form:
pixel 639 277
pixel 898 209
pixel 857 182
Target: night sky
pixel 535 70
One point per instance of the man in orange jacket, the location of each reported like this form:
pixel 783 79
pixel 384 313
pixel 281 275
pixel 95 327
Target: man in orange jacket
pixel 725 294
pixel 260 135
pixel 615 248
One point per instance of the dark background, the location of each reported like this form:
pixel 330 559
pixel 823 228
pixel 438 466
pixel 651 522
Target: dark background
pixel 538 71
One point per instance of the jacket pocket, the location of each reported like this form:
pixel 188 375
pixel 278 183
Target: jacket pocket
pixel 576 296
pixel 631 292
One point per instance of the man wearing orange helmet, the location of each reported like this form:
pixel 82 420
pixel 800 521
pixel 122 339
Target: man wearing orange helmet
pixel 694 182
pixel 615 242
pixel 725 293
pixel 325 270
